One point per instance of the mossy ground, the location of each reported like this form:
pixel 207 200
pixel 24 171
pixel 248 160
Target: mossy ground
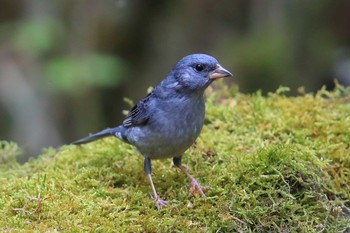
pixel 273 164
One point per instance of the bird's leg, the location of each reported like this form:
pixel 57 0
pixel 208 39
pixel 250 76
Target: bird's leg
pixel 194 183
pixel 148 169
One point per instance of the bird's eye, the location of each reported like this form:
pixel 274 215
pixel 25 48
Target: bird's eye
pixel 199 67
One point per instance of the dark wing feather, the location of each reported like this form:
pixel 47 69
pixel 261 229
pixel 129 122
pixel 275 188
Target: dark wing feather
pixel 139 114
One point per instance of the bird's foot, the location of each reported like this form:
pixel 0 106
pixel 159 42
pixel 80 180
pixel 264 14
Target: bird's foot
pixel 195 186
pixel 159 202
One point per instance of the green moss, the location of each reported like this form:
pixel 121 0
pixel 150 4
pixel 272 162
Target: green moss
pixel 8 152
pixel 273 163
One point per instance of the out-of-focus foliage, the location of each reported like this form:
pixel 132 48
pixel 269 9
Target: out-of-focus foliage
pixel 35 37
pixel 65 66
pixel 68 73
pixel 267 64
pixel 9 151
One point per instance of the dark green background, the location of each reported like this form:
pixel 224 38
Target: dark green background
pixel 65 66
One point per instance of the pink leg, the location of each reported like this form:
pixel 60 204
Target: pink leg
pixel 159 202
pixel 194 183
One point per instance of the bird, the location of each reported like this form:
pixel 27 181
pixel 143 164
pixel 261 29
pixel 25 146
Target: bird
pixel 169 119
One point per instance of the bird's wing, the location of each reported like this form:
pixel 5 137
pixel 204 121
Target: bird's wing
pixel 139 114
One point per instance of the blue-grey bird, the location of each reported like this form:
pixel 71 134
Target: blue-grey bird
pixel 169 119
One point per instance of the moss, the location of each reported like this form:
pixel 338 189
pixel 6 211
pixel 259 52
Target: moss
pixel 8 152
pixel 273 163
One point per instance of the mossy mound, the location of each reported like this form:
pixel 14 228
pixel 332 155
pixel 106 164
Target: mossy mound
pixel 273 163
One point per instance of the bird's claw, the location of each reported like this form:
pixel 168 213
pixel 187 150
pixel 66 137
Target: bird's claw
pixel 195 186
pixel 159 202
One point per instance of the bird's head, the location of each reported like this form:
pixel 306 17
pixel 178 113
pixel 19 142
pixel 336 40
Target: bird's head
pixel 195 72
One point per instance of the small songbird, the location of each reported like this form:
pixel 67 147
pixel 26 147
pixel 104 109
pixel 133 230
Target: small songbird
pixel 169 119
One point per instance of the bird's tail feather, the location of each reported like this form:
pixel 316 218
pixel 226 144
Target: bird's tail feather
pixel 96 136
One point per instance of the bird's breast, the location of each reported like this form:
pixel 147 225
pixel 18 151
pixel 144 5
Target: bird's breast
pixel 171 130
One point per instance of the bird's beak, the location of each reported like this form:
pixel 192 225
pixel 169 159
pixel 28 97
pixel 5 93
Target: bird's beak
pixel 219 72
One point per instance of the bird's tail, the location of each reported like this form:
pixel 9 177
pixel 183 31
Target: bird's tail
pixel 117 132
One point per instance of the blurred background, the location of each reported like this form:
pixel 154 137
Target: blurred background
pixel 65 66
